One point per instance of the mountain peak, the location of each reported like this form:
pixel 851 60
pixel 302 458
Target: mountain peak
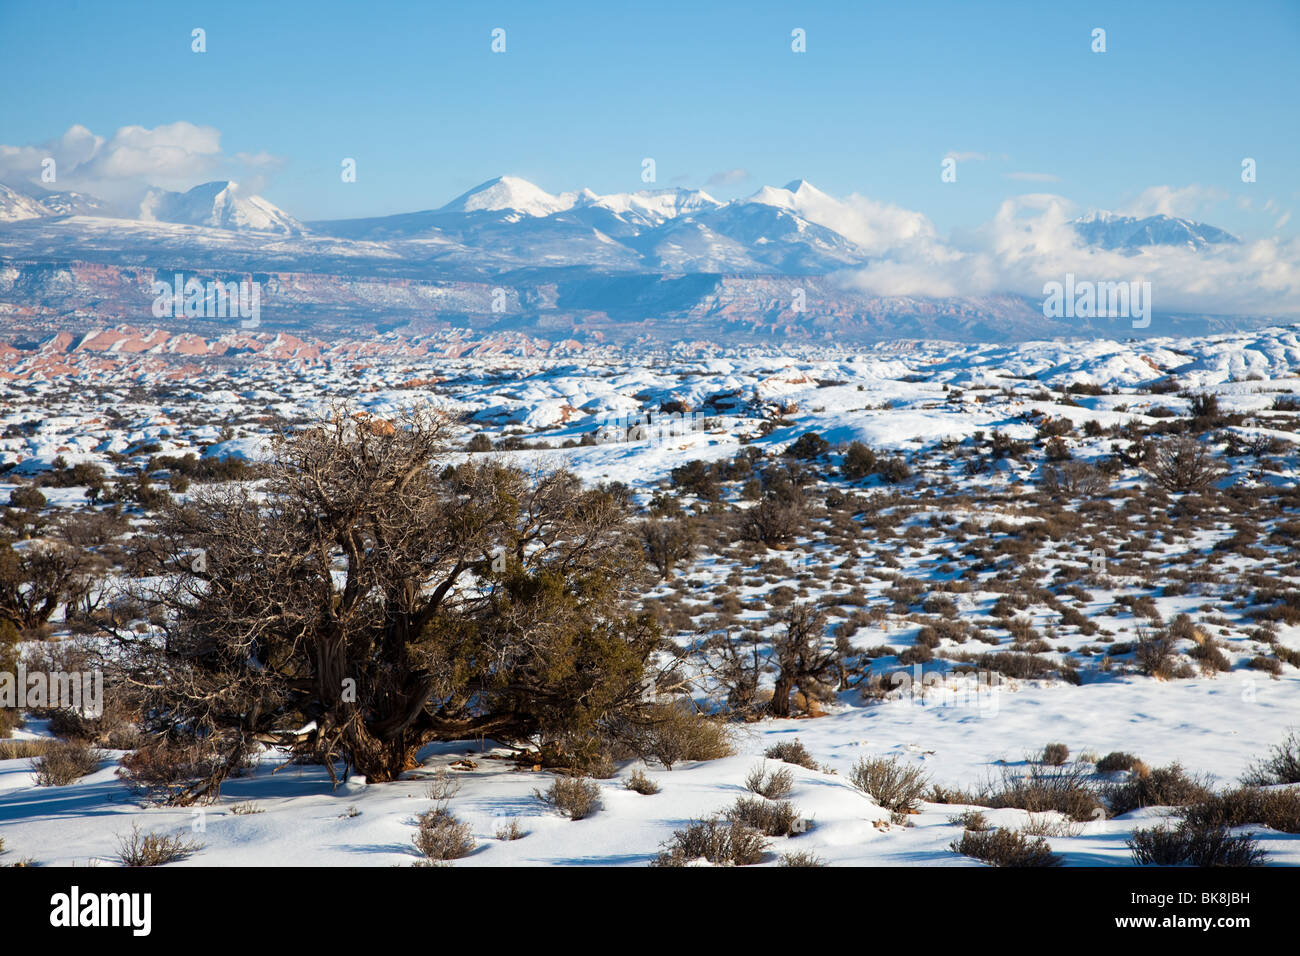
pixel 218 203
pixel 1116 231
pixel 507 194
pixel 802 187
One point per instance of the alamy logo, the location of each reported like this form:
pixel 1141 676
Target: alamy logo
pixel 922 688
pixel 195 299
pixel 654 427
pixel 1089 300
pixel 80 691
pixel 73 909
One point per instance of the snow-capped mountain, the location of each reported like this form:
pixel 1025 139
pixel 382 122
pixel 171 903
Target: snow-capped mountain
pixel 650 207
pixel 1111 231
pixel 25 201
pixel 219 205
pixel 655 264
pixel 14 206
pixel 508 194
pixel 679 230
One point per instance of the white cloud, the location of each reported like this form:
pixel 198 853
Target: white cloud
pixel 876 226
pixel 120 167
pixel 966 157
pixel 1030 241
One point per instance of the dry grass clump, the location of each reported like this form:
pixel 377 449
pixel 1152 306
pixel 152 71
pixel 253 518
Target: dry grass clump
pixel 512 831
pixel 801 858
pixel 153 849
pixel 773 784
pixel 23 749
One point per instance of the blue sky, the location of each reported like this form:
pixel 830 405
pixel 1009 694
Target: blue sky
pixel 585 91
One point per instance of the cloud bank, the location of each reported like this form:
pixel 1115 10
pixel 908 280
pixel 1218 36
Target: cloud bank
pixel 121 167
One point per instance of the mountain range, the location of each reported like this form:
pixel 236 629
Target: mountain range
pixel 509 255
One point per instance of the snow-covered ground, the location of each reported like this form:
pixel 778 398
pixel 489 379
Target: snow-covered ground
pixel 925 403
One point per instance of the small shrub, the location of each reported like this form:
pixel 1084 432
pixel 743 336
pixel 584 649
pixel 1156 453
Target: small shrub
pixel 1118 760
pixel 641 784
pixel 170 771
pixel 676 733
pixel 1282 765
pixel 511 832
pixel 1261 662
pixel 65 762
pixel 443 786
pixel 716 840
pixel 802 858
pixel 771 818
pixel 1063 789
pixel 1155 655
pixel 1169 786
pixel 1006 848
pixel 971 820
pixel 153 849
pixel 1194 846
pixel 894 785
pixel 774 785
pixel 1276 808
pixel 442 837
pixel 575 797
pixel 1056 754
pixel 791 751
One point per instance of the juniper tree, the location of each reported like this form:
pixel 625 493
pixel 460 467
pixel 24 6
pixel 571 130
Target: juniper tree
pixel 367 599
